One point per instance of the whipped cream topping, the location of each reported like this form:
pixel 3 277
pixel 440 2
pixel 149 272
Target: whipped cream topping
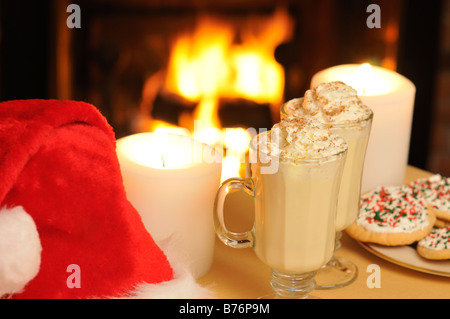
pixel 331 103
pixel 300 137
pixel 393 209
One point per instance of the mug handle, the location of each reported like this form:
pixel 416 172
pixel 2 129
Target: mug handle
pixel 235 240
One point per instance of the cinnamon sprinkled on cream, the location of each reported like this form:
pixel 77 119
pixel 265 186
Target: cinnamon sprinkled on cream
pixel 300 137
pixel 332 102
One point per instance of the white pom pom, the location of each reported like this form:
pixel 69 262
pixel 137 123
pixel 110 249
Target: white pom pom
pixel 20 250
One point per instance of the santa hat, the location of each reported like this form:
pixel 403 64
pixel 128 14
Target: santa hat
pixel 66 227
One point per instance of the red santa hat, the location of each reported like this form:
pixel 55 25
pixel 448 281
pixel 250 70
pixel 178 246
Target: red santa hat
pixel 66 227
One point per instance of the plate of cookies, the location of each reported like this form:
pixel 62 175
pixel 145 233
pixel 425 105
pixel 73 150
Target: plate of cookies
pixel 408 225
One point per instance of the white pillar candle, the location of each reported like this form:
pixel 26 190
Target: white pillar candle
pixel 171 180
pixel 391 98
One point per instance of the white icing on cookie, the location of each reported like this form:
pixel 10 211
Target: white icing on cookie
pixel 393 210
pixel 436 190
pixel 437 239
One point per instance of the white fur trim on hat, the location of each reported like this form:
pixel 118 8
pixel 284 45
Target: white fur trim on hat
pixel 182 286
pixel 20 250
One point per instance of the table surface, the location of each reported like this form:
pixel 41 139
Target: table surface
pixel 239 274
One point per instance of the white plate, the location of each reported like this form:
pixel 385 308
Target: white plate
pixel 407 256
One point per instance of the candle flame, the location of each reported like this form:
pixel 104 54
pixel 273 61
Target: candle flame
pixel 364 76
pixel 161 150
pixel 162 158
pixel 236 141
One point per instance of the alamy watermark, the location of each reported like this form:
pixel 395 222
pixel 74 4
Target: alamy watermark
pixel 374 19
pixel 74 19
pixel 374 279
pixel 258 153
pixel 74 279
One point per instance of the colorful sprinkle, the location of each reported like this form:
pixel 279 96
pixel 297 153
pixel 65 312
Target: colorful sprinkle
pixel 393 209
pixel 438 238
pixel 435 189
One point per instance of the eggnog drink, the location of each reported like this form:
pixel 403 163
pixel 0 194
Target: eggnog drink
pixel 295 206
pixel 337 105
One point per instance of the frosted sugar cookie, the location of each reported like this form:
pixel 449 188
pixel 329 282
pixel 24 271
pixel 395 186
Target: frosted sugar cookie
pixel 436 245
pixel 392 216
pixel 441 223
pixel 436 190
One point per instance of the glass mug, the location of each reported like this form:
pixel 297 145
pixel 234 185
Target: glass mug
pixel 295 211
pixel 339 271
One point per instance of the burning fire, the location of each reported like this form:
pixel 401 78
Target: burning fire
pixel 209 64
